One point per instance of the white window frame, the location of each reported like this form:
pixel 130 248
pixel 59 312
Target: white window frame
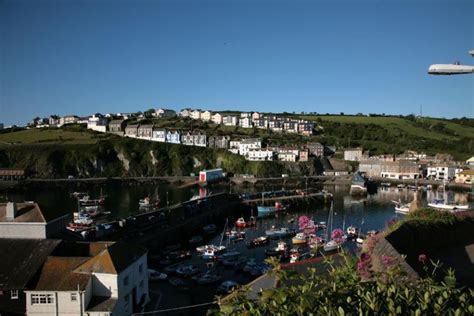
pixel 14 294
pixel 73 297
pixel 42 299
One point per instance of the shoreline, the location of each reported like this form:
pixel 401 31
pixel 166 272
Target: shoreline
pixel 188 181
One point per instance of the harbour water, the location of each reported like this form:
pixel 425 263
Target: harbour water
pixel 372 212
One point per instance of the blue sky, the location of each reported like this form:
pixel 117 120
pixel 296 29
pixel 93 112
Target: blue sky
pixel 81 57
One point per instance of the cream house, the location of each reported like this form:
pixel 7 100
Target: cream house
pixel 216 118
pixel 206 116
pixel 106 279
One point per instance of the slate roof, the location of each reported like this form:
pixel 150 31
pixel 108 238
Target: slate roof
pixel 26 212
pixel 58 275
pixel 22 259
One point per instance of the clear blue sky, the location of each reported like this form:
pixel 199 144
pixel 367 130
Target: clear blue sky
pixel 81 57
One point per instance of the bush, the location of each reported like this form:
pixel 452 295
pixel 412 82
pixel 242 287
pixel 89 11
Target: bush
pixel 343 290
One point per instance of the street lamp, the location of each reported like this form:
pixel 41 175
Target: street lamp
pixel 451 69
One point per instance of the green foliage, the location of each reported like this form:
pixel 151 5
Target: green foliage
pixel 338 289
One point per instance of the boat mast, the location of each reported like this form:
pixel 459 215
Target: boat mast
pixel 223 233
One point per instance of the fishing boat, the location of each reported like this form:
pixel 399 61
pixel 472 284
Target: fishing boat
pixel 278 250
pixel 352 231
pixel 439 204
pixel 334 243
pixel 240 223
pixel 280 232
pixel 260 241
pixel 401 208
pixel 211 251
pixel 358 185
pixel 235 235
pixel 216 249
pixel 207 278
pixel 187 270
pixel 147 203
pixel 299 239
pixel 252 221
pixel 230 255
pixel 264 211
pixel 154 275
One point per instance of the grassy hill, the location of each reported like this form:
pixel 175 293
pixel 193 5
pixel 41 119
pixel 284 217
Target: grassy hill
pixel 67 135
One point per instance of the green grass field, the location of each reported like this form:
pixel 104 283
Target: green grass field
pixel 394 123
pixel 48 136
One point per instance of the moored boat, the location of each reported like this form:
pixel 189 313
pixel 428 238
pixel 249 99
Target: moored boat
pixel 299 238
pixel 260 241
pixel 280 232
pixel 240 223
pixel 439 204
pixel 278 250
pixel 264 211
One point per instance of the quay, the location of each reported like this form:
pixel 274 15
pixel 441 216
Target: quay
pixel 177 223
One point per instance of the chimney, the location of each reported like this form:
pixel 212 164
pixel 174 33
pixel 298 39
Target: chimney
pixel 11 211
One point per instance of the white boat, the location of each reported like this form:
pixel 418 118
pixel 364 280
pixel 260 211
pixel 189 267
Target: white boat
pixel 154 275
pixel 299 239
pixel 439 204
pixel 332 244
pixel 208 278
pixel 401 208
pixel 214 248
pixel 279 232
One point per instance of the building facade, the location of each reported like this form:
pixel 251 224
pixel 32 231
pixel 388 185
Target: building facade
pixel 117 127
pixel 216 118
pixel 353 154
pixel 145 131
pixel 97 123
pixel 159 135
pixel 107 279
pixel 173 137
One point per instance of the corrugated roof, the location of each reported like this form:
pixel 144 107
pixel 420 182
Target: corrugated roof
pixel 22 259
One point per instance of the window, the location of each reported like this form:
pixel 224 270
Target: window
pixel 73 297
pixel 140 268
pixel 14 294
pixel 125 281
pixel 42 299
pixel 141 284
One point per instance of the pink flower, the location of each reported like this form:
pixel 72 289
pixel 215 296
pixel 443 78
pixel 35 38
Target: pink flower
pixel 337 233
pixel 364 257
pixel 386 260
pixel 422 258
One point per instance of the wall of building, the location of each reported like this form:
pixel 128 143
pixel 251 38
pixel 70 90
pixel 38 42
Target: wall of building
pixel 22 230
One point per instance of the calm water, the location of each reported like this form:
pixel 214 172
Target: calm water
pixel 371 212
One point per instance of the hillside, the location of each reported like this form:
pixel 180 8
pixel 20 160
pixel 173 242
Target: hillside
pixel 394 134
pixel 125 157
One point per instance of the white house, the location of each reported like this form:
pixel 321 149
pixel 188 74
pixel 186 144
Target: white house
pixel 106 279
pixel 68 119
pixel 441 172
pixel 246 115
pixel 260 155
pixel 173 137
pixel 206 116
pixel 249 144
pixel 353 154
pixel 245 122
pixel 216 118
pixel 469 162
pixel 196 114
pixel 256 116
pixel 287 156
pixel 230 120
pixel 185 112
pixel 97 123
pixel 159 135
pixel 234 146
pixel 160 113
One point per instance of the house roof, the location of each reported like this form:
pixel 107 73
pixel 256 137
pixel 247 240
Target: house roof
pixel 470 160
pixel 145 126
pixel 111 258
pixel 22 259
pixel 116 122
pixel 58 274
pixel 467 172
pixel 73 263
pixel 26 213
pixel 250 140
pixel 101 304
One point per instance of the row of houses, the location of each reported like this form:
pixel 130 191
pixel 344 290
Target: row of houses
pixel 250 120
pixel 407 169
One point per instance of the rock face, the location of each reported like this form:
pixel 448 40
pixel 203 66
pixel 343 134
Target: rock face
pixel 125 161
